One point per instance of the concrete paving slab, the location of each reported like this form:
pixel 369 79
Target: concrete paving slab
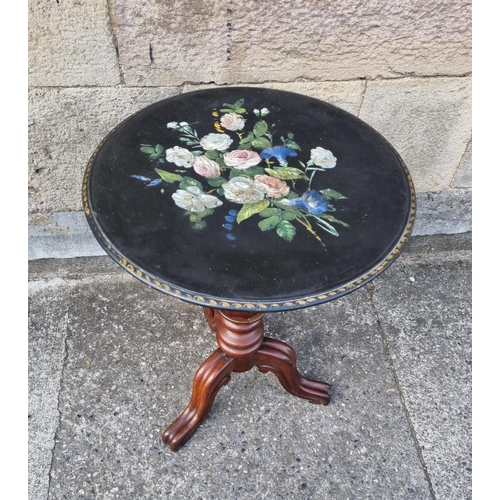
pixel 131 356
pixel 425 315
pixel 47 321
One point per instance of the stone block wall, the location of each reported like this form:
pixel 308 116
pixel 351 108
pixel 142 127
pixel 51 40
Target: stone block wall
pixel 402 66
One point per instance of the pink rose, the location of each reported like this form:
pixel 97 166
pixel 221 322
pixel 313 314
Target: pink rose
pixel 242 158
pixel 232 121
pixel 273 187
pixel 206 167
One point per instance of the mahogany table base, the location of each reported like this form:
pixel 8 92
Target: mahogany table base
pixel 242 345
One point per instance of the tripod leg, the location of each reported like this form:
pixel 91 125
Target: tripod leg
pixel 277 357
pixel 210 377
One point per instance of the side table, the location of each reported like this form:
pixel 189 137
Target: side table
pixel 247 201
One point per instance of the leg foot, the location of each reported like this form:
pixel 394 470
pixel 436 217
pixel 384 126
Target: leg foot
pixel 210 377
pixel 281 359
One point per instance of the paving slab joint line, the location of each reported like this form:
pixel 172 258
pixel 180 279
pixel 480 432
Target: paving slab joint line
pixel 371 289
pixel 59 411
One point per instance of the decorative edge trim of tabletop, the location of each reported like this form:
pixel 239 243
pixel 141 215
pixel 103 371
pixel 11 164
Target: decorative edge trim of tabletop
pixel 231 304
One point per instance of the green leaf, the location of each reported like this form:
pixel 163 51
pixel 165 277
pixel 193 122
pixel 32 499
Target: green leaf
pixel 269 223
pixel 216 181
pixel 269 212
pixel 260 128
pixel 331 218
pixel 235 173
pixel 212 155
pixel 292 144
pixel 292 195
pixel 225 110
pixel 286 173
pixel 240 111
pixel 162 160
pixel 261 143
pixel 289 214
pixel 331 194
pixel 154 156
pixel 252 171
pixel 205 213
pixel 238 103
pixel 220 192
pixel 286 230
pixel 290 135
pixel 250 209
pixel 159 149
pixel 249 138
pixel 229 106
pixel 188 181
pixel 168 177
pixel 200 225
pixel 148 150
pixel 326 226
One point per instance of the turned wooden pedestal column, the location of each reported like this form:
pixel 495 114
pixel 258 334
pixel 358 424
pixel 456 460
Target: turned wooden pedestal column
pixel 242 345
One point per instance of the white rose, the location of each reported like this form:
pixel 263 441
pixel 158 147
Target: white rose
pixel 216 142
pixel 242 190
pixel 323 158
pixel 232 121
pixel 193 199
pixel 180 156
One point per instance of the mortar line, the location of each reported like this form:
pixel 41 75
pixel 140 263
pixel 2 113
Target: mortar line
pixel 243 83
pixel 469 142
pixel 362 98
pixel 387 351
pixel 114 37
pixel 63 368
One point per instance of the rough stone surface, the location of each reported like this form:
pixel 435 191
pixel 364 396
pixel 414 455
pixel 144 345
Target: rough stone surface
pixel 65 126
pixel 428 121
pixel 47 321
pixel 444 213
pixel 170 43
pixel 71 44
pixel 132 353
pixel 425 314
pixel 463 177
pixel 253 41
pixel 60 235
pixel 345 95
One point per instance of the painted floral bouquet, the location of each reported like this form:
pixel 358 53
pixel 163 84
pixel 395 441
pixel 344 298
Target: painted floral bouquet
pixel 249 169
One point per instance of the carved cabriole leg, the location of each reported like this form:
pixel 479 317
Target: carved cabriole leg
pixel 277 357
pixel 210 377
pixel 242 346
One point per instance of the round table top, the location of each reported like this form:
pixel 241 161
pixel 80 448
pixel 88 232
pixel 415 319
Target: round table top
pixel 249 198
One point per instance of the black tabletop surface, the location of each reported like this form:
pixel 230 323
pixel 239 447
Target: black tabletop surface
pixel 249 198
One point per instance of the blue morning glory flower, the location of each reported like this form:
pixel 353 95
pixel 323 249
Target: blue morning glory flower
pixel 311 201
pixel 227 226
pixel 278 152
pixel 234 213
pixel 230 218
